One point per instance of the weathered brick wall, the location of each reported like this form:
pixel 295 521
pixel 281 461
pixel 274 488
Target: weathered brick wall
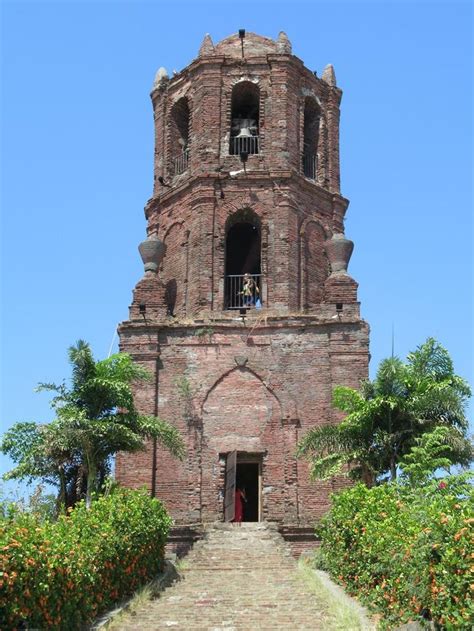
pixel 296 217
pixel 284 83
pixel 263 407
pixel 254 386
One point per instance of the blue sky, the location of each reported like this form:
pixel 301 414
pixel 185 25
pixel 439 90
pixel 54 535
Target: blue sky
pixel 77 150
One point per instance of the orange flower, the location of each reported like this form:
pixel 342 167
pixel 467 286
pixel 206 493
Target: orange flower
pixel 459 534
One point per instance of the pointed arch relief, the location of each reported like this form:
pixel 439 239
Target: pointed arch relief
pixel 173 270
pixel 316 264
pixel 239 411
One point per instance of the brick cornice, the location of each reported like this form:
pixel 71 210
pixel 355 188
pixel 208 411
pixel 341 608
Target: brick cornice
pixel 285 177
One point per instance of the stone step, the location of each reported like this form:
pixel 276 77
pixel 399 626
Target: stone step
pixel 235 578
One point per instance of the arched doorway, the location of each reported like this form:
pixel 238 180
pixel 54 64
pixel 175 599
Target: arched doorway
pixel 243 261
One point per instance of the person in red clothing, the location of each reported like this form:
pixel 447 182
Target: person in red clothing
pixel 240 498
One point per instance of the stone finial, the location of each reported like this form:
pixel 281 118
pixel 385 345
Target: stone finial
pixel 283 43
pixel 152 251
pixel 207 47
pixel 160 77
pixel 339 251
pixel 329 75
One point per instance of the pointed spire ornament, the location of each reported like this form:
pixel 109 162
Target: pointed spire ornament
pixel 283 43
pixel 329 75
pixel 207 47
pixel 160 77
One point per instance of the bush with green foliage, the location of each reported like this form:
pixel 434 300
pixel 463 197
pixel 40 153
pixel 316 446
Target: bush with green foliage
pixel 384 419
pixel 60 575
pixel 406 551
pixel 96 418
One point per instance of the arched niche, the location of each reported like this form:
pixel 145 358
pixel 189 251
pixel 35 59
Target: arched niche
pixel 179 136
pixel 243 258
pixel 173 272
pixel 245 118
pixel 316 264
pixel 241 414
pixel 311 118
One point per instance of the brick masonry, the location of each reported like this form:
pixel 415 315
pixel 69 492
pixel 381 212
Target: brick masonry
pixel 254 385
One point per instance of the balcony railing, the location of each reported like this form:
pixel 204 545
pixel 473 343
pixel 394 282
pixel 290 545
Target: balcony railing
pixel 309 165
pixel 180 163
pixel 240 144
pixel 243 291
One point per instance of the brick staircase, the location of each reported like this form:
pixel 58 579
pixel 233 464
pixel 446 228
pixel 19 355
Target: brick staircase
pixel 236 577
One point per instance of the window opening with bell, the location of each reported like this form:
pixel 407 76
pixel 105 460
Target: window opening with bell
pixel 244 136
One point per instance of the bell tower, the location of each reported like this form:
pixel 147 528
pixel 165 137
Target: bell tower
pixel 246 314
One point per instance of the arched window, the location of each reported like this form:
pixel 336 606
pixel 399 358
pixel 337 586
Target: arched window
pixel 245 119
pixel 179 136
pixel 310 138
pixel 243 261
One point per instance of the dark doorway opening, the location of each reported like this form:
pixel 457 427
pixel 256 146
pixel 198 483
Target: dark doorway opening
pixel 248 478
pixel 243 249
pixel 242 257
pixel 310 138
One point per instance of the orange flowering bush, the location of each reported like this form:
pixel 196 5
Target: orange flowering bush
pixel 60 575
pixel 405 551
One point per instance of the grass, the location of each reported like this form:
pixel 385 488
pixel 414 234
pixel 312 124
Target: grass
pixel 344 614
pixel 141 598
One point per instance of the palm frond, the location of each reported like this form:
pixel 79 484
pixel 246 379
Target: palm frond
pixel 347 399
pixel 82 362
pixel 431 360
pixel 166 434
pixel 327 467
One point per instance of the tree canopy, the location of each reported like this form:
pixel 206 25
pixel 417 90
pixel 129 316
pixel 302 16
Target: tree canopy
pixel 96 417
pixel 387 416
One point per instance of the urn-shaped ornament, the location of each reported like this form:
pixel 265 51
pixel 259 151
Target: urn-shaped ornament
pixel 152 251
pixel 339 250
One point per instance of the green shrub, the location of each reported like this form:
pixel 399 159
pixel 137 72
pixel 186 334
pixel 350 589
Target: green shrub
pixel 59 575
pixel 406 552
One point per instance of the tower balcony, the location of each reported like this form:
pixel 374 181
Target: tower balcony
pixel 180 163
pixel 243 291
pixel 244 144
pixel 310 164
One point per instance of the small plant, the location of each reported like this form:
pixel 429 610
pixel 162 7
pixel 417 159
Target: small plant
pixel 186 393
pixel 204 332
pixel 184 387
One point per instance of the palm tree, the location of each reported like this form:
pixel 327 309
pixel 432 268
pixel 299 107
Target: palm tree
pixel 95 418
pixel 385 418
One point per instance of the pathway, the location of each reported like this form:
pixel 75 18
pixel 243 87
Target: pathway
pixel 236 578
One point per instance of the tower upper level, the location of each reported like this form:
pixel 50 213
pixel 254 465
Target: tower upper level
pixel 246 98
pixel 246 209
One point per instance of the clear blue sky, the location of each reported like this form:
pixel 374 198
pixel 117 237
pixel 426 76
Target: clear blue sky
pixel 77 149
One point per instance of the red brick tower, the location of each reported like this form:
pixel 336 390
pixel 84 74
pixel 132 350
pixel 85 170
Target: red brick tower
pixel 246 182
